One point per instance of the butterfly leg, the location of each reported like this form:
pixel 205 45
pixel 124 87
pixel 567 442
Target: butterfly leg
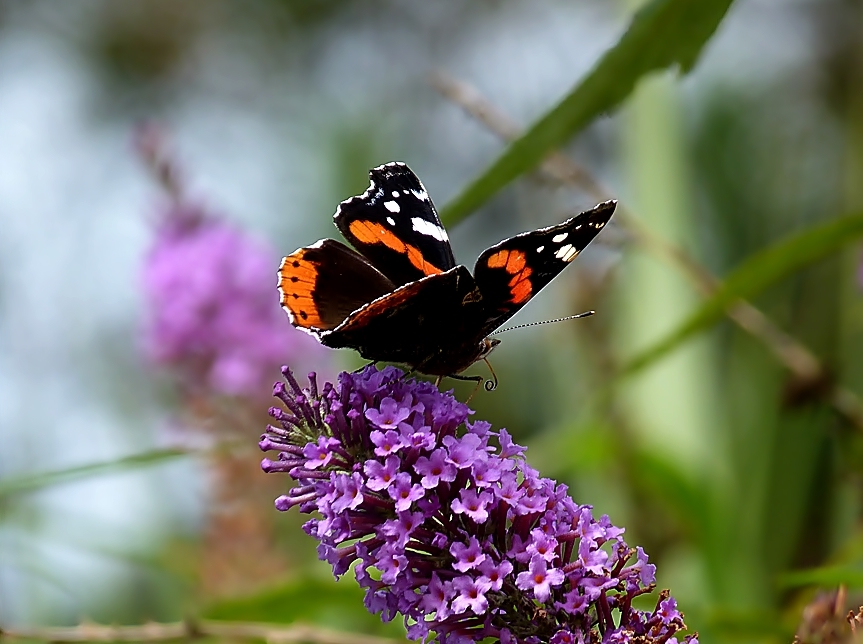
pixel 477 379
pixel 490 385
pixel 455 376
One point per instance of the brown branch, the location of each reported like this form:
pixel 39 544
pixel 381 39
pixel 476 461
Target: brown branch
pixel 190 629
pixel 795 356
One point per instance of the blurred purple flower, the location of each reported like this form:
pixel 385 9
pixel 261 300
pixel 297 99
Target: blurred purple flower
pixel 454 531
pixel 213 312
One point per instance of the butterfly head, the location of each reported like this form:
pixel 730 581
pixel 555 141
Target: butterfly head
pixel 487 346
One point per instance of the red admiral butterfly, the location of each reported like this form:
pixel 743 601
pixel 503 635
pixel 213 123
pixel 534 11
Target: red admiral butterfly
pixel 402 298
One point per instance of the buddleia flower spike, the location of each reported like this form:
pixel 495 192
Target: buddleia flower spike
pixel 445 523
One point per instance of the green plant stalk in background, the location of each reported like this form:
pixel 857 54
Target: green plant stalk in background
pixel 671 409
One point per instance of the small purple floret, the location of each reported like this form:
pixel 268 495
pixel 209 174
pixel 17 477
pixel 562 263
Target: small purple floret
pixel 390 415
pixel 467 556
pixel 539 578
pixel 381 475
pixel 470 595
pixel 473 505
pixel 387 442
pixel 404 492
pixel 434 468
pixel 319 454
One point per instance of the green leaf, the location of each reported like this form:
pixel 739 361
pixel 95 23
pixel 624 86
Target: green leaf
pixel 663 33
pixel 825 577
pixel 41 480
pixel 756 273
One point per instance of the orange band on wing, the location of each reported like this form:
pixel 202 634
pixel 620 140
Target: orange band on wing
pixel 297 279
pixel 369 232
pixel 515 263
pixel 520 287
pixel 521 292
pixel 498 260
pixel 416 258
pixel 512 260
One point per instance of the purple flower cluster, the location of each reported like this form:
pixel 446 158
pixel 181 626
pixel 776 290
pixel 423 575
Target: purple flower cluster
pixel 212 314
pixel 448 525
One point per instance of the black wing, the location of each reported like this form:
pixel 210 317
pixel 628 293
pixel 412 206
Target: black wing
pixel 322 284
pixel 510 273
pixel 394 224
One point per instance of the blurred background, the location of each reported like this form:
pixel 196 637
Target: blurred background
pixel 129 479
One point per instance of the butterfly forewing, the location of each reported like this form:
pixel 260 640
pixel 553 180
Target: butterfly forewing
pixel 322 284
pixel 394 224
pixel 510 273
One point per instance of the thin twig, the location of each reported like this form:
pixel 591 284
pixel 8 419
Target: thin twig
pixel 190 629
pixel 790 352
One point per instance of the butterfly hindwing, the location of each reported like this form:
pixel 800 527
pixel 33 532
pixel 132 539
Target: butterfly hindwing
pixel 510 273
pixel 323 284
pixel 394 224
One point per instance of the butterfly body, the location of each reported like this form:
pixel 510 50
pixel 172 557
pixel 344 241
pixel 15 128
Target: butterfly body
pixel 418 325
pixel 401 297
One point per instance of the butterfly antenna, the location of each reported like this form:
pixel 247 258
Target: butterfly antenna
pixel 586 314
pixel 490 385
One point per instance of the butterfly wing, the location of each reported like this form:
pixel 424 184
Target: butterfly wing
pixel 395 225
pixel 432 324
pixel 321 285
pixel 510 273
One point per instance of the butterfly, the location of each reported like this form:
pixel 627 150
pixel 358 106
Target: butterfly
pixel 400 296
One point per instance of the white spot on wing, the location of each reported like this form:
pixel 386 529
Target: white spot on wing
pixel 395 194
pixel 540 249
pixel 422 195
pixel 424 227
pixel 391 221
pixel 559 238
pixel 392 206
pixel 566 253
